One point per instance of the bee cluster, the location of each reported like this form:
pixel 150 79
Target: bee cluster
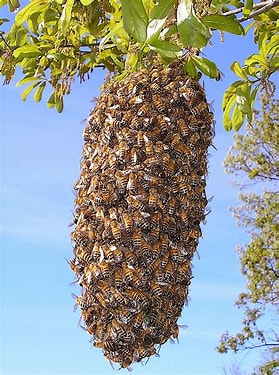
pixel 139 202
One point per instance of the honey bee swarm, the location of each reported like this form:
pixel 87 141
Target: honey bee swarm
pixel 140 199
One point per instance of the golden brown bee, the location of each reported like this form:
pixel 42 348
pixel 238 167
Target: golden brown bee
pixel 182 127
pixel 113 213
pixel 154 235
pixel 125 315
pixel 104 269
pixel 143 111
pixel 128 221
pixel 136 237
pixel 176 254
pixel 112 160
pixel 104 302
pixel 122 149
pixel 96 252
pixel 135 202
pixel 159 102
pixel 149 150
pixel 153 197
pixel 165 160
pixel 154 134
pixel 143 353
pixel 126 118
pixel 118 277
pixel 128 135
pixel 200 109
pixel 140 138
pixel 108 253
pixel 130 257
pixel 80 301
pixel 128 275
pixel 131 184
pixel 115 228
pixel 138 319
pixel 163 123
pixel 137 297
pixel 121 181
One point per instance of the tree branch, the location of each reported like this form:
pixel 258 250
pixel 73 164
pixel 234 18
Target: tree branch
pixel 259 8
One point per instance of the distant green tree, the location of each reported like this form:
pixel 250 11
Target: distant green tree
pixel 254 161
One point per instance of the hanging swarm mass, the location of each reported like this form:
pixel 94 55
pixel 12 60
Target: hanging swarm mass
pixel 140 199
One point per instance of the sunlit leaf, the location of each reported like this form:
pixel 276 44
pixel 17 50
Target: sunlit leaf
pixel 227 123
pixel 38 93
pixel 59 105
pixel 86 2
pixel 51 100
pixel 192 31
pixel 28 90
pixel 2 20
pixel 206 66
pixel 247 8
pixel 166 49
pixel 25 80
pixel 27 51
pixel 153 29
pixel 25 12
pixel 190 69
pixel 13 5
pixel 237 118
pixel 243 97
pixel 223 23
pixel 135 19
pixel 66 16
pixel 161 9
pixel 236 68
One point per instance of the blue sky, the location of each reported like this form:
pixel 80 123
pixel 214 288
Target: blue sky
pixel 40 156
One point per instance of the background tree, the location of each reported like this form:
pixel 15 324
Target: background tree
pixel 54 42
pixel 254 162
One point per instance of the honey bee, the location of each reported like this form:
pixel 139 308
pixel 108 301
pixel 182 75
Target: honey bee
pixel 135 202
pixel 80 301
pixel 143 109
pixel 136 100
pixel 163 123
pixel 96 253
pixel 156 288
pixel 154 134
pixel 155 219
pixel 119 299
pixel 131 185
pixel 126 118
pixel 182 127
pixel 175 254
pixel 138 319
pixel 102 300
pixel 112 160
pixel 104 270
pixel 195 233
pixel 140 138
pixel 169 271
pixel 108 253
pixel 118 278
pixel 165 160
pixel 153 197
pixel 143 353
pixel 137 297
pixel 149 150
pixel 128 135
pixel 121 181
pixel 128 221
pixel 159 102
pixel 137 237
pixel 122 149
pixel 115 229
pixel 125 315
pixel 83 254
pixel 131 258
pixel 154 235
pixel 199 109
pixel 171 206
pixel 113 213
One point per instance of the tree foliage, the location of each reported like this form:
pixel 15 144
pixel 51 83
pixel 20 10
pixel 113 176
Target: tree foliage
pixel 254 161
pixel 55 41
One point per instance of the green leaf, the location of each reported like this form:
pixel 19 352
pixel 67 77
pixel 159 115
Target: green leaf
pixel 161 9
pixel 154 28
pixel 243 97
pixel 223 23
pixel 166 49
pixel 21 36
pixel 273 44
pixel 247 8
pixel 51 100
pixel 2 20
pixel 135 19
pixel 66 16
pixel 25 12
pixel 13 5
pixel 237 118
pixel 190 69
pixel 192 31
pixel 28 90
pixel 227 110
pixel 86 2
pixel 59 105
pixel 25 80
pixel 206 66
pixel 229 92
pixel 236 68
pixel 31 50
pixel 38 93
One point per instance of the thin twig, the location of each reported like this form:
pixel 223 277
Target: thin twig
pixel 261 10
pixel 4 40
pixel 239 10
